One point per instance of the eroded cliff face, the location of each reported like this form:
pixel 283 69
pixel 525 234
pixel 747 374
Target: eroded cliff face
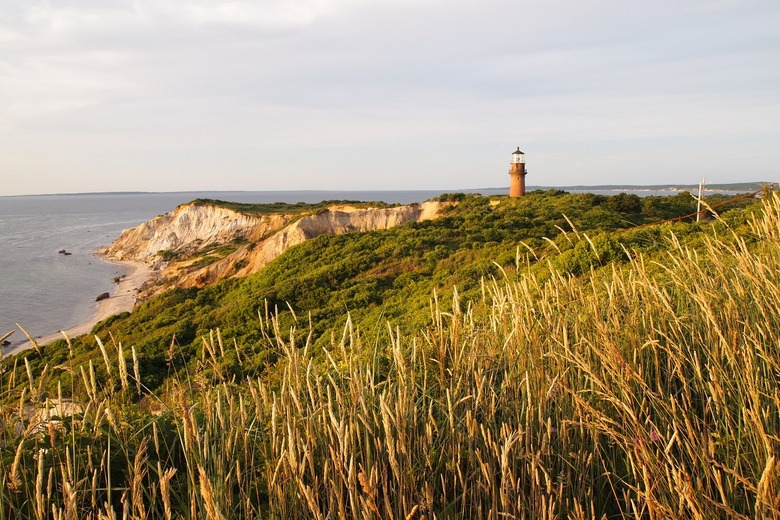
pixel 192 229
pixel 188 229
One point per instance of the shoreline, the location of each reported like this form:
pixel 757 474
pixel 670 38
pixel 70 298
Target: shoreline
pixel 122 299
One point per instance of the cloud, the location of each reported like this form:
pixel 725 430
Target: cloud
pixel 252 83
pixel 279 14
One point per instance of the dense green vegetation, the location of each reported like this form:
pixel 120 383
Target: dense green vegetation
pixel 385 275
pixel 556 356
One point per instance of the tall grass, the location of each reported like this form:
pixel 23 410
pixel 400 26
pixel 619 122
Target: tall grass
pixel 650 391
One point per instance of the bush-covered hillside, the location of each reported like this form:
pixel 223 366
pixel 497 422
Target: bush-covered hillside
pixel 383 276
pixel 548 357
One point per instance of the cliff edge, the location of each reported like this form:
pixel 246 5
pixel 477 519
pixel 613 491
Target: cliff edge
pixel 200 243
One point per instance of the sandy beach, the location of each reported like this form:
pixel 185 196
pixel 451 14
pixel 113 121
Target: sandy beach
pixel 122 299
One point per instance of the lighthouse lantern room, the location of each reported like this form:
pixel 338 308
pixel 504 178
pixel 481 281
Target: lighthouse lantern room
pixel 518 157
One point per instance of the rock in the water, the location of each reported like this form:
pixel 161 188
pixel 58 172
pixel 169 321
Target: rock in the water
pixel 102 296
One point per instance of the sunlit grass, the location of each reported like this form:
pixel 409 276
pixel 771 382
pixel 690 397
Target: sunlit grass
pixel 650 390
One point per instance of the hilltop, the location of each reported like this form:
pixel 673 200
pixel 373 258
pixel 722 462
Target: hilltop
pixel 224 266
pixel 228 266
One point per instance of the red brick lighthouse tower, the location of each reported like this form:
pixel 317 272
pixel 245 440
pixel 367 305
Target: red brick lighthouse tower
pixel 517 174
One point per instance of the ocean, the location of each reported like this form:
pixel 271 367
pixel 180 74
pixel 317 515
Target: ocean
pixel 45 291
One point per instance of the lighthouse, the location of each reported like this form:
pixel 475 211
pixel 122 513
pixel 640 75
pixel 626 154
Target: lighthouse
pixel 517 174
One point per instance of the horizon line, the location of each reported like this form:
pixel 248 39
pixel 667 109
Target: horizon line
pixel 637 187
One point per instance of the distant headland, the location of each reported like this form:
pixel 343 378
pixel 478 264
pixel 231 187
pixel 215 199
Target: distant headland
pixel 738 187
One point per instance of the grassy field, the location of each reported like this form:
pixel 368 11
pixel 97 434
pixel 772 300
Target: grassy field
pixel 647 388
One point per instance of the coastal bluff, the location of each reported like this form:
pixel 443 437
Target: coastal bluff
pixel 199 243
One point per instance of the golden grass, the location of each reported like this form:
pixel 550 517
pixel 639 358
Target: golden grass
pixel 645 391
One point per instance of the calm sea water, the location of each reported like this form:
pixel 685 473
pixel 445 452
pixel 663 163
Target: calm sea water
pixel 45 291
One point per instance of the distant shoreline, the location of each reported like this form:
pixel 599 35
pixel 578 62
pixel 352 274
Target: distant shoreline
pixel 122 299
pixel 738 187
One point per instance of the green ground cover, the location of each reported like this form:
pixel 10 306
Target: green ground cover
pixel 556 356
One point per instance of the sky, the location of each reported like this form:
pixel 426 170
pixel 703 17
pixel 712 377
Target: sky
pixel 180 95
